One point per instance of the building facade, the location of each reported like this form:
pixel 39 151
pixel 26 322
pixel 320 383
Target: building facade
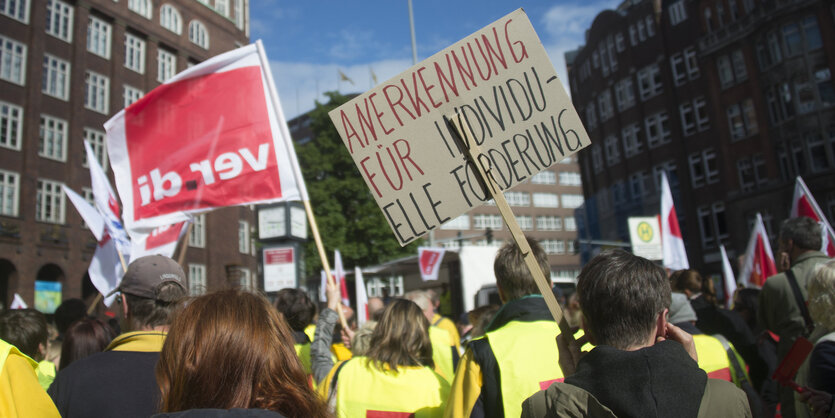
pixel 731 98
pixel 65 68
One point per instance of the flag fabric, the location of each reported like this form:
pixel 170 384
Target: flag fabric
pixel 161 240
pixel 728 275
pixel 213 135
pixel 759 260
pixel 672 242
pixel 804 204
pixel 339 276
pixel 91 216
pixel 18 303
pixel 362 297
pixel 323 287
pixel 344 77
pixel 106 203
pixel 429 260
pixel 106 269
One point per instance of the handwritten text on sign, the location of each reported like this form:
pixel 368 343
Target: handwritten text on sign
pixel 502 84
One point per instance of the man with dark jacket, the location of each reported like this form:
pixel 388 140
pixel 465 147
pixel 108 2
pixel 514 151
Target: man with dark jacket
pixel 641 366
pixel 120 382
pixel 517 355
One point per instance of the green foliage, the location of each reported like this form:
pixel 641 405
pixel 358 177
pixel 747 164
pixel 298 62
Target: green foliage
pixel 347 215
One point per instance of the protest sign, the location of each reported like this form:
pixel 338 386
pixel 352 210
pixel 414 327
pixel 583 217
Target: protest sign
pixel 279 268
pixel 645 235
pixel 504 87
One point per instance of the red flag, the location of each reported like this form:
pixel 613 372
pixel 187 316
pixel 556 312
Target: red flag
pixel 672 242
pixel 340 277
pixel 804 204
pixel 429 260
pixel 759 260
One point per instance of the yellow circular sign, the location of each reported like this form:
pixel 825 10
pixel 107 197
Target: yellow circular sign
pixel 645 232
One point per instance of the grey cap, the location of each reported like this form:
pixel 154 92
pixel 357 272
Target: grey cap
pixel 680 309
pixel 146 275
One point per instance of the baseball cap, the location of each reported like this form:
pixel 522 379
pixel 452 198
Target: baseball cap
pixel 146 275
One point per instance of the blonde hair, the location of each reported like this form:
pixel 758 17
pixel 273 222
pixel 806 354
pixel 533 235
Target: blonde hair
pixel 822 295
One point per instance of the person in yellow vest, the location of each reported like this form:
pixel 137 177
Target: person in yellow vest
pixel 298 311
pixel 395 376
pixel 444 352
pixel 20 392
pixel 518 355
pixel 443 322
pixel 27 330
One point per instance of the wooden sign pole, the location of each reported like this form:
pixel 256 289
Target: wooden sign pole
pixel 474 152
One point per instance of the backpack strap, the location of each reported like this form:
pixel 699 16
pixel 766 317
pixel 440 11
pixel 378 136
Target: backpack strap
pixel 798 297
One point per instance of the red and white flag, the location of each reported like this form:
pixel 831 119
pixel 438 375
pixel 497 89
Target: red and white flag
pixel 91 216
pixel 429 261
pixel 672 243
pixel 362 297
pixel 339 276
pixel 804 204
pixel 730 280
pixel 18 303
pixel 213 135
pixel 759 260
pixel 161 240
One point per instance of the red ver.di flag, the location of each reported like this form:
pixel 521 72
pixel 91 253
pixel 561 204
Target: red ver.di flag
pixel 211 136
pixel 429 261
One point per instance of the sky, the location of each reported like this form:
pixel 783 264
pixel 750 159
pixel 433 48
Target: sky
pixel 309 42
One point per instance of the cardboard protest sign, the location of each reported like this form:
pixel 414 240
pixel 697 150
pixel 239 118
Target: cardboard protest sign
pixel 502 84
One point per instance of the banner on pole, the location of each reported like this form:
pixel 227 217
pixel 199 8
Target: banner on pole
pixel 161 240
pixel 429 261
pixel 504 87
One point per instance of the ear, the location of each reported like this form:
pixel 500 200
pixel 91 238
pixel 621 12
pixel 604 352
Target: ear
pixel 41 351
pixel 661 323
pixel 124 305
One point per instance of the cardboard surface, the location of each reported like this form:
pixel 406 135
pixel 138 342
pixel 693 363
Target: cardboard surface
pixel 506 90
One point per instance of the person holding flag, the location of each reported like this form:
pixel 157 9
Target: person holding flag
pixel 759 260
pixel 804 204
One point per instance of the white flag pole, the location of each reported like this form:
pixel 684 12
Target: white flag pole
pixel 314 229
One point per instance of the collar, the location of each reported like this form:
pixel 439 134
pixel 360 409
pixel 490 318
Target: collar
pixel 528 308
pixel 807 255
pixel 143 341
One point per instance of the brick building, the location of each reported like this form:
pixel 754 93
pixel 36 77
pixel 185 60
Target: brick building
pixel 733 99
pixel 65 68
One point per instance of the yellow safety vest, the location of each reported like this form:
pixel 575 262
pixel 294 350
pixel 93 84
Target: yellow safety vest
pixel 310 330
pixel 28 399
pixel 528 360
pixel 362 390
pixel 442 353
pixel 712 357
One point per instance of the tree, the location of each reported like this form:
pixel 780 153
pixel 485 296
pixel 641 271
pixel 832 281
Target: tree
pixel 347 215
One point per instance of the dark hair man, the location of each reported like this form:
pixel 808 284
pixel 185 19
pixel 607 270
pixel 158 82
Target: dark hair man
pixel 780 309
pixel 517 355
pixel 299 311
pixel 26 329
pixel 641 365
pixel 120 381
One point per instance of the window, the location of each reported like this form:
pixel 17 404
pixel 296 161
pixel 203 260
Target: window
pixel 525 222
pixel 738 60
pixel 59 19
pixel 742 119
pixel 131 95
pixel 642 34
pixel 483 221
pixel 197 238
pixel 12 61
pixel 732 8
pixel 685 66
pixel 97 143
pixel 678 13
pixel 624 94
pixel 548 223
pixel 246 281
pixel 97 92
pixel 143 8
pixel 668 167
pixel 694 116
pixel 597 158
pixel 702 118
pixel 222 7
pixel 243 237
pixel 712 224
pixel 708 22
pixel 620 42
pixel 166 65
pixel 198 34
pixel 826 92
pixel 657 129
pixel 752 172
pixel 612 151
pixel 11 125
pixel 811 33
pixel 546 200
pixel 9 192
pixel 553 246
pixel 572 201
pixel 792 39
pixel 570 223
pixel 170 19
pixel 631 142
pixel 56 77
pixel 196 279
pixel 544 177
pixel 462 223
pixel 639 184
pixel 633 36
pixel 703 168
pixel 135 53
pixel 591 118
pixel 239 14
pixel 604 100
pixel 98 37
pixel 49 202
pixel 618 193
pixel 692 63
pixel 648 20
pixel 649 82
pixel 568 178
pixel 726 75
pixel 53 138
pixel 518 198
pixel 16 9
pixel 678 68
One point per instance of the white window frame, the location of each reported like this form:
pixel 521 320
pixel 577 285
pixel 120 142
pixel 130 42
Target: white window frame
pixel 649 82
pixel 546 200
pixel 99 35
pixel 678 68
pixel 571 200
pixel 525 222
pixel 632 144
pixel 725 71
pixel 198 34
pixel 597 158
pixel 11 126
pixel 624 94
pixel 610 144
pixel 484 221
pixel 570 223
pixel 166 65
pixel 17 10
pixel 131 94
pixel 657 122
pixel 59 20
pixel 548 223
pixel 604 101
pixel 135 53
pixel 691 60
pixel 9 193
pixel 243 237
pixel 522 199
pixel 56 77
pixel 98 144
pixel 12 61
pixel 97 92
pixel 688 118
pixel 544 177
pixel 197 239
pixel 461 222
pixel 170 18
pixel 677 12
pixel 52 138
pixel 143 8
pixel 50 204
pixel 222 7
pixel 570 178
pixel 196 279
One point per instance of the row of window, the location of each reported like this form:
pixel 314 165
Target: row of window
pixel 811 152
pixel 197 279
pixel 638 186
pixel 557 246
pixel 544 200
pixel 733 12
pixel 526 222
pixel 656 133
pixel 604 56
pixel 548 177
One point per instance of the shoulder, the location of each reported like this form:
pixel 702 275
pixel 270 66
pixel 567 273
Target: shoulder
pixel 723 399
pixel 563 399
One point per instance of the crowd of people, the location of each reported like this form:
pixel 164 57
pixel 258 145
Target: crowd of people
pixel 647 343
